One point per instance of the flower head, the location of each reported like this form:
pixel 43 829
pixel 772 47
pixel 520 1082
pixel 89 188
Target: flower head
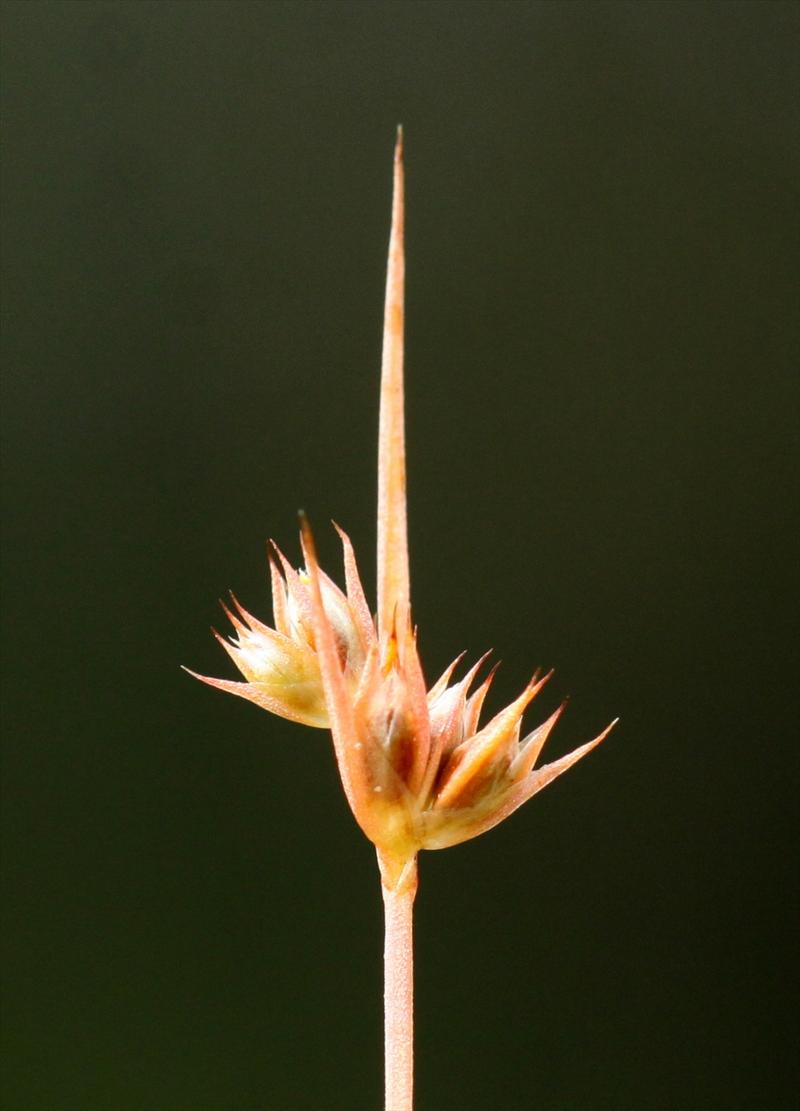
pixel 281 665
pixel 418 769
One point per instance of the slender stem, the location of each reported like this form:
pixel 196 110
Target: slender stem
pixel 398 997
pixel 392 532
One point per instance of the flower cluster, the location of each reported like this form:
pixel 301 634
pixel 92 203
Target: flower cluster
pixel 419 770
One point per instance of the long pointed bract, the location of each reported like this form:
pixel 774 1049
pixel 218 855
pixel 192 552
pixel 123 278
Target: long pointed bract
pixel 393 590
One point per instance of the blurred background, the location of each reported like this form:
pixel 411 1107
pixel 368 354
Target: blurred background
pixel 601 413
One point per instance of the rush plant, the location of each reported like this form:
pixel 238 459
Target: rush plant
pixel 418 768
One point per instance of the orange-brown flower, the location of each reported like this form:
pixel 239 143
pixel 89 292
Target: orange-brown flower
pixel 418 768
pixel 281 665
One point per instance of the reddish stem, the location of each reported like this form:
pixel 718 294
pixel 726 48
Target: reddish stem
pixel 398 998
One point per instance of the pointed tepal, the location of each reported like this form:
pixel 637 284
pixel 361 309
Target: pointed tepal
pixel 393 590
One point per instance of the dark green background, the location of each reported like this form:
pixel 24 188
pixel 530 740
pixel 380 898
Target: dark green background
pixel 601 408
